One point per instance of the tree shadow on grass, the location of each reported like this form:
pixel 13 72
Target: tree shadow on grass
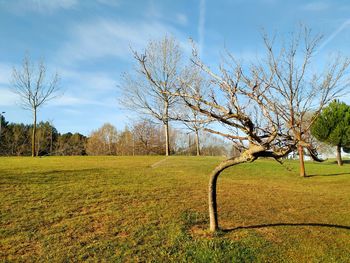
pixel 346 161
pixel 286 224
pixel 335 174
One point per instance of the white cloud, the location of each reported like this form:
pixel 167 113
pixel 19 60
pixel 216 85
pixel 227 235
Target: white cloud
pixel 155 11
pixel 5 73
pixel 316 6
pixel 72 111
pixel 7 98
pixel 40 6
pixel 68 100
pixel 346 98
pixel 85 88
pixel 341 28
pixel 88 80
pixel 113 3
pixel 105 38
pixel 181 19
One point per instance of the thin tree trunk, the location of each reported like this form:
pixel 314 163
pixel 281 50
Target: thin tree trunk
pixel 189 144
pixel 166 127
pixel 133 145
pixel 301 161
pixel 197 144
pixel 51 140
pixel 339 159
pixel 213 213
pixel 167 144
pixel 34 134
pixel 38 143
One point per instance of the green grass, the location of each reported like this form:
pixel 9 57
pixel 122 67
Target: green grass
pixel 70 209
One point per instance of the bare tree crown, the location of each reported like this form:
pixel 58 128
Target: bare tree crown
pixel 32 86
pixel 149 90
pixel 269 102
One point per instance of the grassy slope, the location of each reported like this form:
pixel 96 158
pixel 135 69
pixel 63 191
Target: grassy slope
pixel 121 209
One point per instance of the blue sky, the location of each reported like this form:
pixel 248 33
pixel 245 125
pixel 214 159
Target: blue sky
pixel 88 42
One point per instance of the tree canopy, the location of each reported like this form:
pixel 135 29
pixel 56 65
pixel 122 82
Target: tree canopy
pixel 333 126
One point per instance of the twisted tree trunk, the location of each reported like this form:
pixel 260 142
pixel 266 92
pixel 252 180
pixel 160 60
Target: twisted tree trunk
pixel 213 213
pixel 339 159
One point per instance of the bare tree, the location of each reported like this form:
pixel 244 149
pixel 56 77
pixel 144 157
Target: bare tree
pixel 191 118
pixel 150 90
pixel 30 84
pixel 262 107
pixel 147 138
pixel 235 102
pixel 103 141
pixel 195 126
pixel 298 93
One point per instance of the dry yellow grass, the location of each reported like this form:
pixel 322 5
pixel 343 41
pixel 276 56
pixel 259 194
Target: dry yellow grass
pixel 121 209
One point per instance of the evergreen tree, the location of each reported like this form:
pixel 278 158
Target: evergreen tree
pixel 333 127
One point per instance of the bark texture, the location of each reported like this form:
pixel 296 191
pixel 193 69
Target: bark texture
pixel 301 161
pixel 167 141
pixel 34 134
pixel 213 212
pixel 339 159
pixel 198 150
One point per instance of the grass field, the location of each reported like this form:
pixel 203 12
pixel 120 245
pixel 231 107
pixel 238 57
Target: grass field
pixel 69 209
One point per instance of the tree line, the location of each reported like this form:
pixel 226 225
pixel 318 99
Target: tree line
pixel 141 138
pixel 16 140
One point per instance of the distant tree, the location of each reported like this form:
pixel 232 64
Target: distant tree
pixel 191 118
pixel 70 144
pixel 46 138
pixel 3 127
pixel 103 141
pixel 77 144
pixel 31 85
pixel 214 146
pixel 147 138
pixel 333 127
pixel 17 139
pixel 148 90
pixel 126 142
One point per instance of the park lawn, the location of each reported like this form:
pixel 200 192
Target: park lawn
pixel 58 209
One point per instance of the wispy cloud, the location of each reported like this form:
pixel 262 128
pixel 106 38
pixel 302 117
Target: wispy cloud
pixel 342 27
pixel 93 81
pixel 110 38
pixel 181 19
pixel 7 98
pixel 316 6
pixel 113 3
pixel 5 73
pixel 95 88
pixel 155 10
pixel 70 100
pixel 40 6
pixel 201 25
